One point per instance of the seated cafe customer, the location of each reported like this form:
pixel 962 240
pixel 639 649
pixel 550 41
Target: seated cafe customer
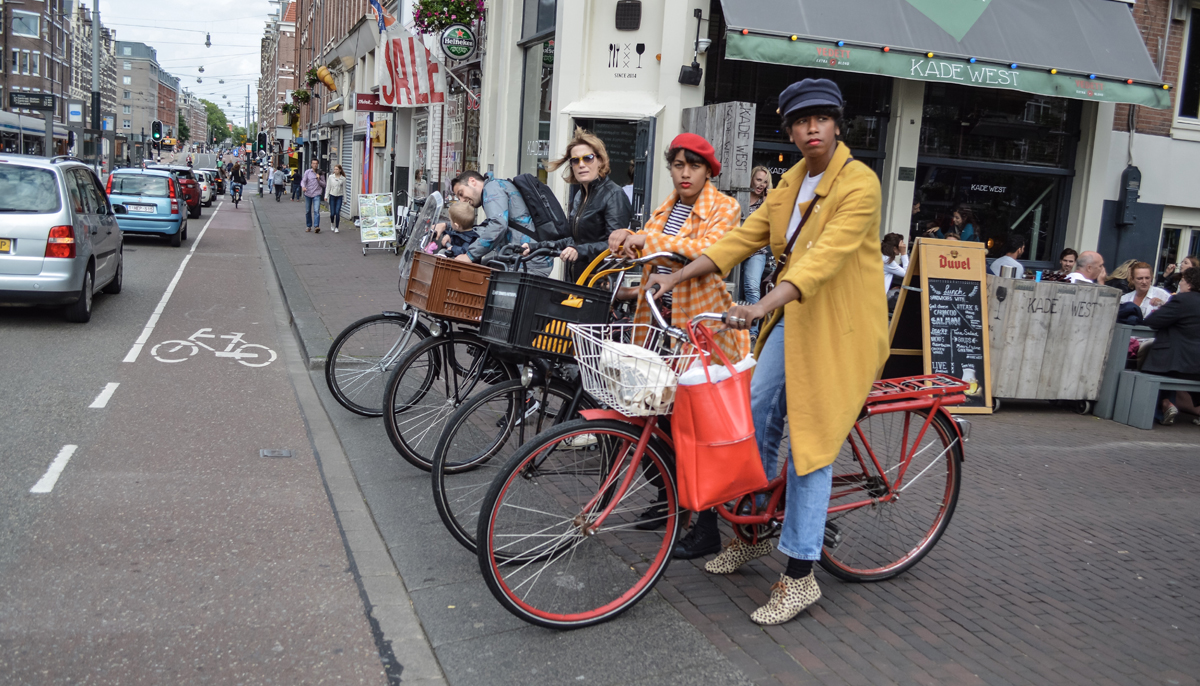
pixel 1014 247
pixel 1089 268
pixel 1175 351
pixel 1148 298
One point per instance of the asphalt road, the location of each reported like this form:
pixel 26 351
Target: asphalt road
pixel 168 549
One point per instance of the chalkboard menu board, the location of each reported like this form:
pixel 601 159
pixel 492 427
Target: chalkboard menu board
pixel 957 334
pixel 944 330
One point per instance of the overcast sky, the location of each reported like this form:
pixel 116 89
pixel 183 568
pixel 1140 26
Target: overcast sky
pixel 236 27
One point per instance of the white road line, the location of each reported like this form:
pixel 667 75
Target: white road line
pixel 46 483
pixel 102 399
pixel 136 350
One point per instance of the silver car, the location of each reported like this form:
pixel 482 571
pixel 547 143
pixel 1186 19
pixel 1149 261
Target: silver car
pixel 59 240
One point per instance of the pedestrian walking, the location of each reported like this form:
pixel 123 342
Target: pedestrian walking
pixel 335 190
pixel 278 180
pixel 756 265
pixel 295 185
pixel 597 205
pixel 313 185
pixel 825 338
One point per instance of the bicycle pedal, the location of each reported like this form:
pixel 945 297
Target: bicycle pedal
pixel 833 535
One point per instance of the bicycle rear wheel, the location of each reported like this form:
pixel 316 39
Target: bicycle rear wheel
pixel 362 355
pixel 884 538
pixel 429 382
pixel 538 549
pixel 478 440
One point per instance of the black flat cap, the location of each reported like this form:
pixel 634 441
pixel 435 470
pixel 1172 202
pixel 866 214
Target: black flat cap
pixel 809 93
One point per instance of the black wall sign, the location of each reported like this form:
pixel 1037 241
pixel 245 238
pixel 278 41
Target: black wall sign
pixel 31 101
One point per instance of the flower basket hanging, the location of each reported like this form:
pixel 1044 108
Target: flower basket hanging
pixel 432 16
pixel 311 77
pixel 301 96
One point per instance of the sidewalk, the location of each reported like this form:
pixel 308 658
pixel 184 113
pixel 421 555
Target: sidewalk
pixel 1069 559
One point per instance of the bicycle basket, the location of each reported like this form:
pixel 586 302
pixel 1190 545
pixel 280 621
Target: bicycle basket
pixel 632 368
pixel 530 313
pixel 447 288
pixel 417 235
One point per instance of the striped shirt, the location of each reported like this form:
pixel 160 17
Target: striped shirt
pixel 675 221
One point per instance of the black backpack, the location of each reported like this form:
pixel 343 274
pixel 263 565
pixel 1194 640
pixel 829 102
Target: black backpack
pixel 549 220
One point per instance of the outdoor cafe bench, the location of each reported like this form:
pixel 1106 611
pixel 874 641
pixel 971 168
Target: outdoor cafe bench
pixel 1137 396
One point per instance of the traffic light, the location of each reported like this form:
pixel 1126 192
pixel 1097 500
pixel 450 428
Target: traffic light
pixel 262 142
pixel 156 131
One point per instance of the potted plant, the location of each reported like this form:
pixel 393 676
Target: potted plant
pixel 432 16
pixel 311 77
pixel 301 96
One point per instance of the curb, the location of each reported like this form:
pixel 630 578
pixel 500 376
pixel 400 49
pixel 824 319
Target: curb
pixel 313 336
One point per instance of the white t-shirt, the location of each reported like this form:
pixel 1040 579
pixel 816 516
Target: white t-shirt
pixel 1007 261
pixel 1147 308
pixel 1076 277
pixel 896 268
pixel 808 191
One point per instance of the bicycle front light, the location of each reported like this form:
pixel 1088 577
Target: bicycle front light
pixel 435 329
pixel 527 376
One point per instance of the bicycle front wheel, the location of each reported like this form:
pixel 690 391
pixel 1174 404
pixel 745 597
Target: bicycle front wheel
pixel 478 440
pixel 544 551
pixel 429 382
pixel 907 486
pixel 362 355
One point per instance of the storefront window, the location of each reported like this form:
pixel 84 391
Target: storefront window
pixel 536 108
pixel 999 203
pixel 990 125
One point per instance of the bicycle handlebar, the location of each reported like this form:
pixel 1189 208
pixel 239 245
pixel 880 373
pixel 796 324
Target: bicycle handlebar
pixel 508 256
pixel 675 331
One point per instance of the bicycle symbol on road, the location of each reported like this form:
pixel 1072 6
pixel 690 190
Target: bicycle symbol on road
pixel 249 354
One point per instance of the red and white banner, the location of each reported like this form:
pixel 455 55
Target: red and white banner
pixel 407 74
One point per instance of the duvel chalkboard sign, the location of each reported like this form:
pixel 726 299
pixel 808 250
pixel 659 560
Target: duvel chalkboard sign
pixel 944 330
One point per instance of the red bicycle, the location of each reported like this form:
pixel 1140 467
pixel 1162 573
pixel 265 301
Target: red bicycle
pixel 560 540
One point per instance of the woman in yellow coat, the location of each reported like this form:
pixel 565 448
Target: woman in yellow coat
pixel 825 339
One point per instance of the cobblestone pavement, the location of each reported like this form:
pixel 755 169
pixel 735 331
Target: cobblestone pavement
pixel 1066 561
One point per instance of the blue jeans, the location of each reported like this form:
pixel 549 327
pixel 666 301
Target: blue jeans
pixel 335 210
pixel 803 532
pixel 312 212
pixel 752 274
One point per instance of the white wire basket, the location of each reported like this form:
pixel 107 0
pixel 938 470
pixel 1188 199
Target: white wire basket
pixel 632 368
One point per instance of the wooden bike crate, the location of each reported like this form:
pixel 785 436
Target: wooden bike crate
pixel 447 288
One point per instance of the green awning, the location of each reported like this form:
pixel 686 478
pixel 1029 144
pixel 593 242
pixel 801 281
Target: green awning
pixel 1082 49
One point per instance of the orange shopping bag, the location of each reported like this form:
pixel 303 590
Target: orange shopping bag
pixel 716 455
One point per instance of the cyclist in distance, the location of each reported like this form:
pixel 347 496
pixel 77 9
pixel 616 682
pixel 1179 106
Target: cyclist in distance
pixel 824 341
pixel 237 179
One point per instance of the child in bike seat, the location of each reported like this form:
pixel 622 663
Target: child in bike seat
pixel 462 221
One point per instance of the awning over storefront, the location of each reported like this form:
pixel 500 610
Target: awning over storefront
pixel 1084 49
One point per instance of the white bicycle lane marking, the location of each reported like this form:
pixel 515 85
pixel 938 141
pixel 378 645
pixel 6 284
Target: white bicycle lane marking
pixel 181 351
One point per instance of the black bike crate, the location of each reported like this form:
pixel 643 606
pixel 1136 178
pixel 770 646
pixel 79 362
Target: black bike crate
pixel 530 313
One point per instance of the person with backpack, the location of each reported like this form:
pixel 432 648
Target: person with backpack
pixel 598 206
pixel 508 218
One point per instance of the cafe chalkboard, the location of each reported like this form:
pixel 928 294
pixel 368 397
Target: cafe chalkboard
pixel 944 330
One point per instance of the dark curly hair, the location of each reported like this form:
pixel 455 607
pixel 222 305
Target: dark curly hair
pixel 1192 276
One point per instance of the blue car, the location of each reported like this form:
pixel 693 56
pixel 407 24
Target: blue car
pixel 149 201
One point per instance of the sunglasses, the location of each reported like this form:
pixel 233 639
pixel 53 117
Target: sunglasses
pixel 585 159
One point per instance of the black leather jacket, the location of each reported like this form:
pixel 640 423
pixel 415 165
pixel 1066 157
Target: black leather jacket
pixel 595 213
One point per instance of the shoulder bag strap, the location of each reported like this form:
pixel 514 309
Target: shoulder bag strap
pixel 781 263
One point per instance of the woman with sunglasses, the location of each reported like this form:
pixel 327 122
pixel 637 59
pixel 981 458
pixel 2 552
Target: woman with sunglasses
pixel 598 206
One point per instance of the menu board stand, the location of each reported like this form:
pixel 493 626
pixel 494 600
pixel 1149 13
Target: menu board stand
pixel 377 222
pixel 940 322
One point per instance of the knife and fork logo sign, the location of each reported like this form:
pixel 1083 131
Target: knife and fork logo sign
pixel 619 57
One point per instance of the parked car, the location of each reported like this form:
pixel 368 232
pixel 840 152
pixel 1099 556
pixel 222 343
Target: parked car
pixel 206 188
pixel 146 201
pixel 219 177
pixel 59 240
pixel 187 180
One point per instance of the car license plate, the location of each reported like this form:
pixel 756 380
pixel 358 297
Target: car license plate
pixel 5 245
pixel 143 209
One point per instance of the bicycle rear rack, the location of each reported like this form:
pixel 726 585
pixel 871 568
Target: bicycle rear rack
pixel 919 391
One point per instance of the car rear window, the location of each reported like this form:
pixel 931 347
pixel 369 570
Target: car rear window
pixel 28 189
pixel 140 184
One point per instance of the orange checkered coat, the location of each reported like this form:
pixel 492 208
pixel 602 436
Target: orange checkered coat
pixel 712 216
